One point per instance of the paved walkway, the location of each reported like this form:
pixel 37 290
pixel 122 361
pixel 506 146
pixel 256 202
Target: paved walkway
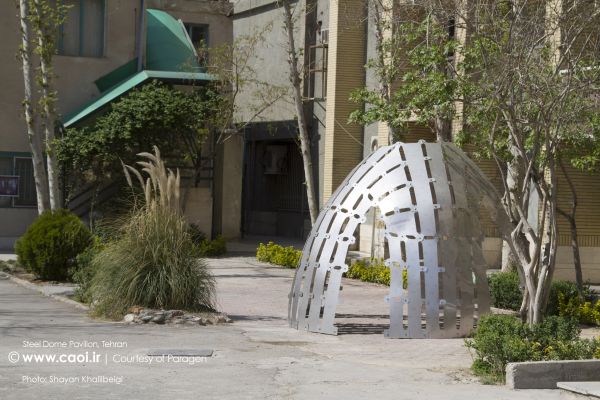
pixel 256 357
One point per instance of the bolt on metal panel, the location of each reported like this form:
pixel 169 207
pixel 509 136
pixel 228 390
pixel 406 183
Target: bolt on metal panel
pixel 428 196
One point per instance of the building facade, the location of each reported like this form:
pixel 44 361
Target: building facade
pixel 98 38
pixel 337 39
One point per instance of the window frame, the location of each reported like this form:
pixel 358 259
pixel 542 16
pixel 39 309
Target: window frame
pixel 80 39
pixel 190 25
pixel 13 156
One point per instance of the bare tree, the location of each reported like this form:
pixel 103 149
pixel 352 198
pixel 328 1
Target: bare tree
pixel 527 76
pixel 570 216
pixel 295 77
pixel 35 141
pixel 234 66
pixel 46 19
pixel 531 74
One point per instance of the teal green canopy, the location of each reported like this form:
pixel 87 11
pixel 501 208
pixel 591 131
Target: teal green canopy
pixel 168 46
pixel 170 57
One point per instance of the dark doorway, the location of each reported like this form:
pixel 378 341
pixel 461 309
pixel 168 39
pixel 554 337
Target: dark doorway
pixel 274 192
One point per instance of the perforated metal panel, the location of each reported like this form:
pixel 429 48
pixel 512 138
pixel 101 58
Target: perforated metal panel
pixel 428 195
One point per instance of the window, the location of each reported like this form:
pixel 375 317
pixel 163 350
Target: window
pixel 317 66
pixel 82 34
pixel 6 168
pixel 22 167
pixel 198 34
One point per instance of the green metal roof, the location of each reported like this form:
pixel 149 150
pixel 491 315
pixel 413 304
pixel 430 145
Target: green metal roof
pixel 170 56
pixel 116 76
pixel 128 84
pixel 168 46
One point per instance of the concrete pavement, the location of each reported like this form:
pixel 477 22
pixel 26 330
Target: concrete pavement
pixel 256 357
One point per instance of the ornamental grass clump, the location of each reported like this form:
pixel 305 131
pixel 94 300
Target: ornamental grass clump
pixel 153 262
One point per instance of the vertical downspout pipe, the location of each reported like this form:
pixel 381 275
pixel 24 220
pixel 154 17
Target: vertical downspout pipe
pixel 140 35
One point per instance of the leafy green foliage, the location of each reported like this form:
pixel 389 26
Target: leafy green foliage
pixel 417 69
pixel 213 248
pixel 152 115
pixel 85 272
pixel 374 271
pixel 198 236
pixel 565 289
pixel 505 290
pixel 587 312
pixel 207 247
pixel 51 244
pixel 500 339
pixel 45 18
pixel 278 255
pixel 563 300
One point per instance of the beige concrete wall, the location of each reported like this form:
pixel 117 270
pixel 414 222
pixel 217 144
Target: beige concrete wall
pixel 198 208
pixel 268 75
pixel 590 260
pixel 13 222
pixel 492 251
pixel 590 264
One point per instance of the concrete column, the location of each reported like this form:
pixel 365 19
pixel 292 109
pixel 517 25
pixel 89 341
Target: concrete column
pixel 232 187
pixel 228 188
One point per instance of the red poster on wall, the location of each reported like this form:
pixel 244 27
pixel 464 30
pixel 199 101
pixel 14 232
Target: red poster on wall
pixel 9 186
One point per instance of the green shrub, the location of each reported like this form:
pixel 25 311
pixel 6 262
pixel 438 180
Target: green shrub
pixel 370 271
pixel 500 339
pixel 505 290
pixel 51 244
pixel 374 271
pixel 279 255
pixel 555 328
pixel 85 272
pixel 567 289
pixel 213 248
pixel 506 293
pixel 587 312
pixel 198 236
pixel 207 247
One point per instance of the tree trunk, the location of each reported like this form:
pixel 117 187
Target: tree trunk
pixel 443 129
pixel 573 227
pixel 304 137
pixel 35 142
pixel 47 101
pixel 509 261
